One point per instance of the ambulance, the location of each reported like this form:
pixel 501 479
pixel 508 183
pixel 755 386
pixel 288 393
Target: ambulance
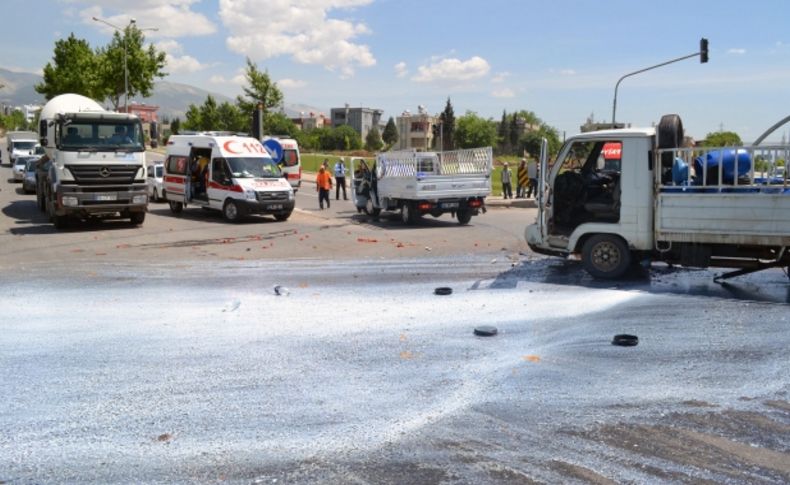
pixel 286 153
pixel 230 173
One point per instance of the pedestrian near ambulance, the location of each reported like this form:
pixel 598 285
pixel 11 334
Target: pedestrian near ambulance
pixel 522 181
pixel 323 184
pixel 340 179
pixel 532 173
pixel 507 178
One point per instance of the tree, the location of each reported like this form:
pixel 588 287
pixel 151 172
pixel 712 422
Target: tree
pixel 390 135
pixel 342 137
pixel 213 117
pixel 473 131
pixel 448 126
pixel 503 136
pixel 142 65
pixel 722 139
pixel 73 69
pixel 175 126
pixel 279 124
pixel 259 89
pixel 373 142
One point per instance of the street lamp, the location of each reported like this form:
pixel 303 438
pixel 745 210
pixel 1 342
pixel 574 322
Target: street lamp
pixel 125 67
pixel 703 58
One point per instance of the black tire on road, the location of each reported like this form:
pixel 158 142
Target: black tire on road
pixel 176 207
pixel 370 209
pixel 464 216
pixel 282 216
pixel 408 213
pixel 606 256
pixel 231 211
pixel 137 218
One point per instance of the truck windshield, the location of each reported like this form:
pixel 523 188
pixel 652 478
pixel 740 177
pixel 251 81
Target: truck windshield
pixel 24 145
pixel 254 168
pixel 101 135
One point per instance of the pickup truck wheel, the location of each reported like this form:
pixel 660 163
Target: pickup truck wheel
pixel 282 216
pixel 231 211
pixel 464 216
pixel 176 207
pixel 407 213
pixel 137 218
pixel 606 256
pixel 370 209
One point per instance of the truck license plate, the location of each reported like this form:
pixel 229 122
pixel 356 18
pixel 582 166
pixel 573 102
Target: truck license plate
pixel 275 207
pixel 105 197
pixel 450 205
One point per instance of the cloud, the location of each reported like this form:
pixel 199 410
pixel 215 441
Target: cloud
pixel 500 77
pixel 177 63
pixel 503 93
pixel 567 72
pixel 300 29
pixel 238 80
pixel 401 70
pixel 737 52
pixel 291 83
pixel 172 18
pixel 453 70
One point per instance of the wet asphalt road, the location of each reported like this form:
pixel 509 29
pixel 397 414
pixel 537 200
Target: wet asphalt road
pixel 199 373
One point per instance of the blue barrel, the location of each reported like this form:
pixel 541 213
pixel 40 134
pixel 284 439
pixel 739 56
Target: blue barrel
pixel 728 159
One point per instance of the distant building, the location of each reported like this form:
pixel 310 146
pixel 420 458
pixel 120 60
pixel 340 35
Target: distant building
pixel 148 116
pixel 591 125
pixel 30 111
pixel 311 121
pixel 361 119
pixel 415 130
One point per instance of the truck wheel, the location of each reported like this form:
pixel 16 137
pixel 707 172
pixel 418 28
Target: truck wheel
pixel 137 218
pixel 370 209
pixel 407 213
pixel 282 216
pixel 176 207
pixel 464 216
pixel 606 256
pixel 60 222
pixel 231 211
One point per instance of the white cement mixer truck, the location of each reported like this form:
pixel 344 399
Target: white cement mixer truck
pixel 96 162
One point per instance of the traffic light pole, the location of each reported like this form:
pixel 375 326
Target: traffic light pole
pixel 703 53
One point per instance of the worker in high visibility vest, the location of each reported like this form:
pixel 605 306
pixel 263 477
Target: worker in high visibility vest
pixel 323 184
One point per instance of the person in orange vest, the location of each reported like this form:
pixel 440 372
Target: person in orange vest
pixel 323 185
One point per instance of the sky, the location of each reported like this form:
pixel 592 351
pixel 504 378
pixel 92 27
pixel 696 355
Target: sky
pixel 558 58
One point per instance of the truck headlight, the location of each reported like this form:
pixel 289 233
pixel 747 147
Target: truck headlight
pixel 139 199
pixel 291 195
pixel 70 201
pixel 249 194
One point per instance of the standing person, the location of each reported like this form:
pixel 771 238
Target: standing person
pixel 340 179
pixel 323 184
pixel 521 179
pixel 532 173
pixel 507 177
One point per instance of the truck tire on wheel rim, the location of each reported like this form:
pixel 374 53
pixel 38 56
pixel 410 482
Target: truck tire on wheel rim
pixel 407 213
pixel 606 256
pixel 176 207
pixel 231 211
pixel 464 216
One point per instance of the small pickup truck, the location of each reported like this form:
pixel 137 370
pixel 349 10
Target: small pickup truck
pixel 420 183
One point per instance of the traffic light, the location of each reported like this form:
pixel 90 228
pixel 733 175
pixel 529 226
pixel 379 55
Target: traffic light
pixel 703 50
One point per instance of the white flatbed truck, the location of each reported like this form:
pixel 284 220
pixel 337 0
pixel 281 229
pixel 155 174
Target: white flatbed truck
pixel 420 183
pixel 660 201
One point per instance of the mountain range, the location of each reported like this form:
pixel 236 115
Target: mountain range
pixel 172 98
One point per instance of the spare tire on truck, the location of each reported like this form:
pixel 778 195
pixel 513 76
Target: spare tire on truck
pixel 670 135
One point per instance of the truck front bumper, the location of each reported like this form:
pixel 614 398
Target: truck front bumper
pixel 268 207
pixel 73 199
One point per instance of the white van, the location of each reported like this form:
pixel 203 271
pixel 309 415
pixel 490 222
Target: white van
pixel 233 174
pixel 291 161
